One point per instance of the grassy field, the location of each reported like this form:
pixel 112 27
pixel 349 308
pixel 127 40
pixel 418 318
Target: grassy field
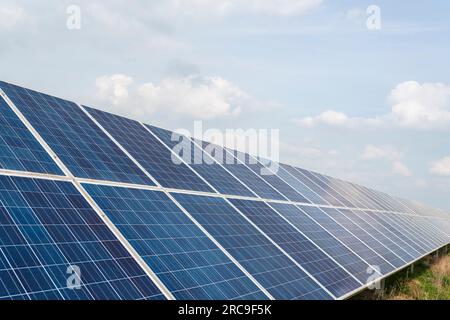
pixel 428 282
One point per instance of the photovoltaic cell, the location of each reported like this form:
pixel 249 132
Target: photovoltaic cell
pixel 411 253
pixel 326 191
pixel 401 256
pixel 149 152
pixel 270 177
pixel 309 256
pixel 19 150
pixel 365 237
pixel 356 245
pixel 269 266
pixel 242 172
pixel 319 235
pixel 211 171
pixel 289 173
pixel 397 229
pixel 350 195
pixel 47 229
pixel 78 142
pixel 184 258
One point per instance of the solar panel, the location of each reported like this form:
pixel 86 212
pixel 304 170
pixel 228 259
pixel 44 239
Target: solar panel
pixel 242 172
pixel 387 243
pixel 47 227
pixel 352 196
pixel 184 258
pixel 205 165
pixel 402 223
pixel 399 230
pixel 371 241
pixel 321 266
pixel 326 240
pixel 149 152
pixel 288 173
pixel 274 270
pixel 19 150
pixel 270 177
pixel 323 190
pixel 408 251
pixel 77 141
pixel 230 231
pixel 349 239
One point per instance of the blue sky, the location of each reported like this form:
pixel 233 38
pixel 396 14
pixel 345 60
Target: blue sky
pixel 369 106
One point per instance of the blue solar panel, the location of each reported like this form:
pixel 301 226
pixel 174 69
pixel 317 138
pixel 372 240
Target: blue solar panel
pixel 242 172
pixel 289 172
pixel 434 237
pixel 212 172
pixel 47 227
pixel 355 244
pixel 411 252
pixel 273 179
pixel 352 196
pixel 369 240
pixel 78 142
pixel 379 204
pixel 395 228
pixel 319 235
pixel 418 231
pixel 184 258
pixel 362 199
pixel 149 152
pixel 275 271
pixel 358 219
pixel 333 277
pixel 419 236
pixel 331 195
pixel 19 150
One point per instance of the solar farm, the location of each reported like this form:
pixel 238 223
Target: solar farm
pixel 82 189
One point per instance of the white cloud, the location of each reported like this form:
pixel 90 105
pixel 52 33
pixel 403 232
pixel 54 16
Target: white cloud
pixel 400 168
pixel 441 167
pixel 113 89
pixel 11 16
pixel 421 105
pixel 337 119
pixel 413 105
pixel 356 14
pixel 387 153
pixel 196 96
pixel 372 152
pixel 229 7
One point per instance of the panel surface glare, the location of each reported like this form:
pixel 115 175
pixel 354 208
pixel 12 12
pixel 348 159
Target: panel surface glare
pixel 149 152
pixel 203 164
pixel 275 271
pixel 47 229
pixel 76 139
pixel 333 277
pixel 19 150
pixel 330 244
pixel 242 172
pixel 350 240
pixel 270 176
pixel 184 258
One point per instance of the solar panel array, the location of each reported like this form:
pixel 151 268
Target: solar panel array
pixel 97 206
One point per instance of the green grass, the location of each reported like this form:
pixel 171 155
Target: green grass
pixel 428 282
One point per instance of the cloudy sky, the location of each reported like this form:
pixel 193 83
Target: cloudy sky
pixel 371 106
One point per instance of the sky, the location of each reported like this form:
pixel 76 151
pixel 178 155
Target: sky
pixel 358 94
